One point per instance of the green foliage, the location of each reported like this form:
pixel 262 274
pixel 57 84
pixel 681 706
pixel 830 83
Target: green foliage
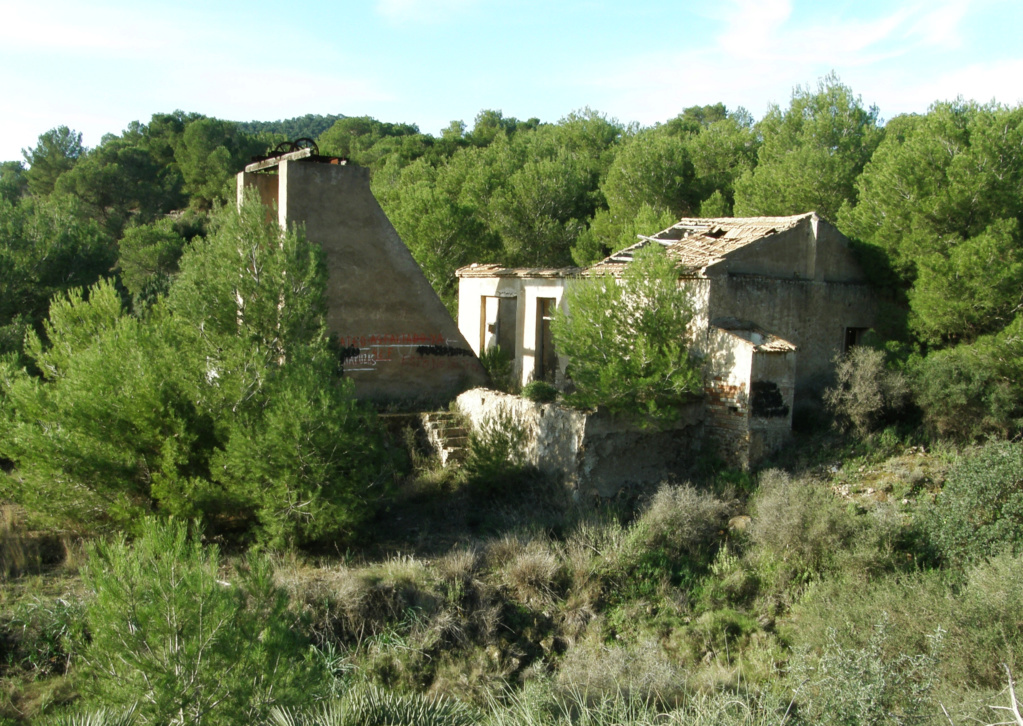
pixel 171 634
pixel 866 392
pixel 498 365
pixel 799 527
pixel 972 391
pixel 209 153
pixel 354 137
pixel 495 451
pixel 57 152
pixel 627 339
pixel 540 392
pixel 980 509
pixel 148 257
pixel 655 169
pixel 226 403
pixel 42 635
pixel 13 181
pixel 609 232
pixel 812 153
pixel 941 197
pixel 47 246
pixel 100 717
pixel 309 126
pixel 122 181
pixel 863 686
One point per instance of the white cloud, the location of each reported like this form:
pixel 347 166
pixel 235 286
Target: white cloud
pixel 939 23
pixel 764 49
pixel 981 82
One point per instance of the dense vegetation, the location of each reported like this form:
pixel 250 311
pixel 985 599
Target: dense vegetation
pixel 169 397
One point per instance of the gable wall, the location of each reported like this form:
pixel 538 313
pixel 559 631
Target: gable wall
pixel 403 348
pixel 813 250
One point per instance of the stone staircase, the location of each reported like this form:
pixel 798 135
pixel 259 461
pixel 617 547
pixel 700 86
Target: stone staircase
pixel 447 435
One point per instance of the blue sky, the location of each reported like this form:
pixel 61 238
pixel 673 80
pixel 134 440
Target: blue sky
pixel 96 65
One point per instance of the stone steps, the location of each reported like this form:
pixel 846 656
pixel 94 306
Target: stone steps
pixel 447 435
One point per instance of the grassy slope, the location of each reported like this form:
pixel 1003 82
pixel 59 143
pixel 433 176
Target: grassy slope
pixel 471 587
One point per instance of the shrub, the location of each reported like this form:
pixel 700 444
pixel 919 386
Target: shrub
pixel 169 633
pixel 102 717
pixel 862 686
pixel 670 543
pixel 371 706
pixel 498 365
pixel 495 452
pixel 866 392
pixel 535 573
pixel 681 521
pixel 41 635
pixel 980 508
pixel 980 612
pixel 964 396
pixel 540 392
pixel 798 526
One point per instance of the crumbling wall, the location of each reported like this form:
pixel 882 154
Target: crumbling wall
pixel 772 395
pixel 811 315
pixel 593 453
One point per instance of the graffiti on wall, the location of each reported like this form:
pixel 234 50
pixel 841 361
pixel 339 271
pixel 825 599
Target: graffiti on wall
pixel 365 353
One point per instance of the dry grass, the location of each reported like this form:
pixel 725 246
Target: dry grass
pixel 534 574
pixel 19 553
pixel 681 521
pixel 635 670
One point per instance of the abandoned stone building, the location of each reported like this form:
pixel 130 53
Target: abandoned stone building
pixel 400 345
pixel 776 299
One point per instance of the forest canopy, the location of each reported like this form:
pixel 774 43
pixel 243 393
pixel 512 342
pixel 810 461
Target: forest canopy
pixel 113 250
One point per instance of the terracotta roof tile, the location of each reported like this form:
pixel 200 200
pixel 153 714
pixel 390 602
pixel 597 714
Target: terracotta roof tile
pixel 697 243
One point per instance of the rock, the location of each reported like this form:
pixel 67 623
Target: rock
pixel 740 523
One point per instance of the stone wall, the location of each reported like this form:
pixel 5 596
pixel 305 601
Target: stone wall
pixel 812 315
pixel 592 453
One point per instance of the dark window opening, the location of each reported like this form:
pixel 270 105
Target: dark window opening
pixel 853 337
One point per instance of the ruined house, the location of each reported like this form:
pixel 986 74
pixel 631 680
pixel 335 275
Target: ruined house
pixel 776 299
pixel 398 342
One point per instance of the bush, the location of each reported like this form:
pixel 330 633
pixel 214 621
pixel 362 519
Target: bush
pixel 41 635
pixel 964 396
pixel 370 706
pixel 172 635
pixel 498 365
pixel 863 686
pixel 681 521
pixel 798 527
pixel 866 392
pixel 979 511
pixel 495 451
pixel 540 392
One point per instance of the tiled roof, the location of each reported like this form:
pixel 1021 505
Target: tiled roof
pixel 698 243
pixel 487 270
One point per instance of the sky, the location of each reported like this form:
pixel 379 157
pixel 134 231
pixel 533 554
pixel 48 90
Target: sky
pixel 97 65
